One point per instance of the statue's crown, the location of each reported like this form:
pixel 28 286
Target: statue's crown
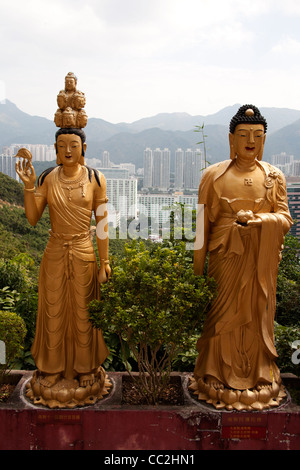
pixel 70 112
pixel 71 75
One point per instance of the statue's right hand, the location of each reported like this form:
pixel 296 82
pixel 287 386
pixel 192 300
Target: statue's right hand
pixel 25 168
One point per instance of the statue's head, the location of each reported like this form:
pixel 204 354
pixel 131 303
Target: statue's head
pixel 70 146
pixel 78 101
pixel 62 99
pixel 70 82
pixel 68 118
pixel 247 132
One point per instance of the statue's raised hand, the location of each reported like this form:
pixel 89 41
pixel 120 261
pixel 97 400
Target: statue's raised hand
pixel 25 168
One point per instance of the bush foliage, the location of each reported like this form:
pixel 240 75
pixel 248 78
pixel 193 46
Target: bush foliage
pixel 12 333
pixel 154 303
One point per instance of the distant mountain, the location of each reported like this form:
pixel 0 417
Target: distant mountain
pixel 276 118
pixel 19 127
pixel 286 140
pixel 126 141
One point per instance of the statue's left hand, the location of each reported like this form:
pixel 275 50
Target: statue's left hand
pixel 104 273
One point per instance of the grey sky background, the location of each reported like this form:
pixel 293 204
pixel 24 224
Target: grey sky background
pixel 137 58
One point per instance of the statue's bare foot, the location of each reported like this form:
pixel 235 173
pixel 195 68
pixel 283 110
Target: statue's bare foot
pixel 213 382
pixel 262 385
pixel 49 380
pixel 86 379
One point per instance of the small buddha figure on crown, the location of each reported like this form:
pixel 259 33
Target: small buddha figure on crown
pixel 70 101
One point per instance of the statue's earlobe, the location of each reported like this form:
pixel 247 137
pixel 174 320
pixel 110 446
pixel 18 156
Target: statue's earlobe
pixel 260 154
pixel 58 162
pixel 232 152
pixel 82 160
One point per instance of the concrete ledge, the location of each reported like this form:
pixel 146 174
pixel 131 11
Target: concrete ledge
pixel 109 425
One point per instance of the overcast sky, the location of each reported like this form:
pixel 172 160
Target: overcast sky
pixel 138 58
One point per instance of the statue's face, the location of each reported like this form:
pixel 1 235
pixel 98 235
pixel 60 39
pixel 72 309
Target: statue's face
pixel 248 140
pixel 69 149
pixel 61 101
pixel 79 101
pixel 70 84
pixel 68 120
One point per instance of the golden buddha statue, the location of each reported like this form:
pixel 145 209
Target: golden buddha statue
pixel 68 352
pixel 246 217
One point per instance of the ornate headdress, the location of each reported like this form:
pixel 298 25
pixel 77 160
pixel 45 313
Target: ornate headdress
pixel 247 114
pixel 70 116
pixel 70 112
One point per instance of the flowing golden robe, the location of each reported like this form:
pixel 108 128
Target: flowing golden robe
pixel 237 344
pixel 65 341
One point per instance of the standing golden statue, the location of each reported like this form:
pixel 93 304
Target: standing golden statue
pixel 246 216
pixel 68 352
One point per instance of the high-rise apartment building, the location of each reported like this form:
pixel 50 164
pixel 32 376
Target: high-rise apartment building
pixel 289 166
pixel 105 159
pixel 7 166
pixel 193 167
pixel 293 194
pixel 281 159
pixel 122 197
pixel 188 174
pixel 165 169
pixel 179 166
pixel 39 152
pixel 148 168
pixel 157 167
pixel 188 169
pixel 156 171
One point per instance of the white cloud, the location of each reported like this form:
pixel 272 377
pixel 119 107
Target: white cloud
pixel 289 7
pixel 287 45
pixel 135 57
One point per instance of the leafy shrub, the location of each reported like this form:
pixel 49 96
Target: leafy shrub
pixel 26 308
pixel 12 333
pixel 285 336
pixel 8 298
pixel 12 275
pixel 186 358
pixel 288 284
pixel 154 303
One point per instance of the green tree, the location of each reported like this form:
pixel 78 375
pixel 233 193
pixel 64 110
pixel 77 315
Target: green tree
pixel 288 284
pixel 12 335
pixel 154 303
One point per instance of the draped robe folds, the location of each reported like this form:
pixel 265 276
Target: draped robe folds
pixel 237 344
pixel 65 341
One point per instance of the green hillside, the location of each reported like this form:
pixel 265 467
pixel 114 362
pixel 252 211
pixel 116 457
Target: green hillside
pixel 16 234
